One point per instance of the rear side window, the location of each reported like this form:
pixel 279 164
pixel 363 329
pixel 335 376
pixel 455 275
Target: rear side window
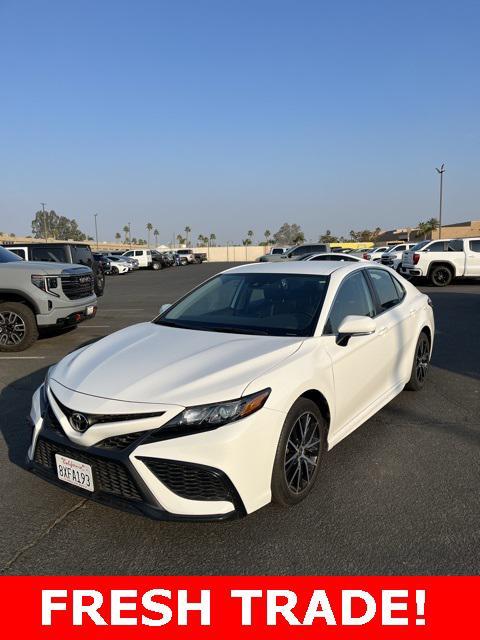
pixel 455 245
pixel 437 246
pixel 475 245
pixel 49 254
pixel 388 289
pixel 353 299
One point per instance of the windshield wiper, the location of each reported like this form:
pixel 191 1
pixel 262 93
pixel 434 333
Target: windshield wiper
pixel 252 331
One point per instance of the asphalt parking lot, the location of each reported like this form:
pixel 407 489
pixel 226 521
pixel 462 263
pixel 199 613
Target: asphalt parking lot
pixel 401 495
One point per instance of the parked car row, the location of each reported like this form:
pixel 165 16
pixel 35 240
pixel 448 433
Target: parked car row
pixel 118 262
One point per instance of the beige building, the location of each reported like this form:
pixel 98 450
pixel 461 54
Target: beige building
pixel 469 229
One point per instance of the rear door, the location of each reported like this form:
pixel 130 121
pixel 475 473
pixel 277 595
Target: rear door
pixel 472 248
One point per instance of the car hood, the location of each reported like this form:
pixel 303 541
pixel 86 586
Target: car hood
pixel 151 363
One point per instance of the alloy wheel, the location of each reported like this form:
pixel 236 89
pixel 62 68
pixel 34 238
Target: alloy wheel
pixel 12 328
pixel 302 452
pixel 441 276
pixel 422 359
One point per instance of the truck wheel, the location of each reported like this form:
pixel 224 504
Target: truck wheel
pixel 441 276
pixel 99 284
pixel 156 266
pixel 18 327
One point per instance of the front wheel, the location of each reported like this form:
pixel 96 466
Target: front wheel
pixel 18 327
pixel 99 284
pixel 156 266
pixel 420 364
pixel 300 451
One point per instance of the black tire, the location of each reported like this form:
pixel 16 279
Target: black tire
pixel 441 276
pixel 300 453
pixel 18 327
pixel 99 284
pixel 156 266
pixel 421 360
pixel 115 271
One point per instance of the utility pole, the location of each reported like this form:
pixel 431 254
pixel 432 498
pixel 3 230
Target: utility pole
pixel 440 171
pixel 96 228
pixel 44 221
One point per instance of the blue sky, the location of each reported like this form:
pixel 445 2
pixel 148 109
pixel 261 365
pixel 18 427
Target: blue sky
pixel 228 115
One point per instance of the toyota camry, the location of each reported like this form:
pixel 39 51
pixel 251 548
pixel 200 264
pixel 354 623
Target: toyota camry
pixel 233 395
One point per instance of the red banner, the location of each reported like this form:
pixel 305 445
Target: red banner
pixel 124 608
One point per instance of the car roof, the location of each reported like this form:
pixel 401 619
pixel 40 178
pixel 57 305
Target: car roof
pixel 307 267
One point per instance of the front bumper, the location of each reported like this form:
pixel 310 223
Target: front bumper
pixel 216 475
pixel 62 312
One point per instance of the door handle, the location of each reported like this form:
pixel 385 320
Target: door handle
pixel 383 331
pixel 412 312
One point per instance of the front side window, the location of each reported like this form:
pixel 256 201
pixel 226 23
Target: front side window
pixel 253 303
pixel 128 254
pixel 384 285
pixel 353 299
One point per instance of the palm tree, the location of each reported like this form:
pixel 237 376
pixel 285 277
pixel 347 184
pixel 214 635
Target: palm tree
pixel 156 233
pixel 187 231
pixel 118 236
pixel 246 242
pixel 149 228
pixel 250 235
pixel 126 231
pixel 213 237
pixel 180 239
pixel 267 235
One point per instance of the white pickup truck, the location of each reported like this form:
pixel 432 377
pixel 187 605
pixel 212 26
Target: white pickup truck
pixel 443 260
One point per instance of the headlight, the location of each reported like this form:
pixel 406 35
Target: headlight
pixel 210 416
pixel 45 283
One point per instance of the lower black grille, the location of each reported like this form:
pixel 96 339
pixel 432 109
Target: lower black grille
pixel 76 287
pixel 108 476
pixel 51 422
pixel 190 481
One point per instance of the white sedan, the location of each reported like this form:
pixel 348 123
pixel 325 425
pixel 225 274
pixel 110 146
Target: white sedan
pixel 232 396
pixel 335 257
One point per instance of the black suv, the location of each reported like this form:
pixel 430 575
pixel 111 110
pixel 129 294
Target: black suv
pixel 70 252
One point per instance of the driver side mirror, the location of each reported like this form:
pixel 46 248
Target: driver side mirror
pixel 352 326
pixel 165 307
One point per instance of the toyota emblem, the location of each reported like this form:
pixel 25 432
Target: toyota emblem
pixel 79 422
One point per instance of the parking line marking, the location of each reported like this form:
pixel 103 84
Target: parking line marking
pixel 94 326
pixel 119 309
pixel 22 357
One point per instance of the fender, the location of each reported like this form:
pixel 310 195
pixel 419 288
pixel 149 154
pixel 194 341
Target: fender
pixel 443 263
pixel 21 295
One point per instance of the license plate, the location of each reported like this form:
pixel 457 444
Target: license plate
pixel 89 311
pixel 77 473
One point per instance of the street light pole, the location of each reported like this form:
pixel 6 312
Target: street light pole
pixel 44 221
pixel 440 171
pixel 96 228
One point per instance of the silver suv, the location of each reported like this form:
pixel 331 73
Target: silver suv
pixel 41 294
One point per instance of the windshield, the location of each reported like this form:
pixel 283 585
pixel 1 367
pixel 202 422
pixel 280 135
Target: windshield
pixel 420 245
pixel 8 256
pixel 254 303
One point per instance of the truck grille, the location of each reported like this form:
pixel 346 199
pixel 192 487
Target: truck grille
pixel 78 286
pixel 109 476
pixel 190 481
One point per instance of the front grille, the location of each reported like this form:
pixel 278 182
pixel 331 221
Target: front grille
pixel 190 481
pixel 108 476
pixel 123 441
pixel 97 418
pixel 50 421
pixel 78 286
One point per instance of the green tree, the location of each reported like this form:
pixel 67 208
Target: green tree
pixel 187 231
pixel 149 228
pixel 180 239
pixel 51 224
pixel 289 234
pixel 126 231
pixel 118 236
pixel 156 233
pixel 327 237
pixel 250 235
pixel 246 242
pixel 267 235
